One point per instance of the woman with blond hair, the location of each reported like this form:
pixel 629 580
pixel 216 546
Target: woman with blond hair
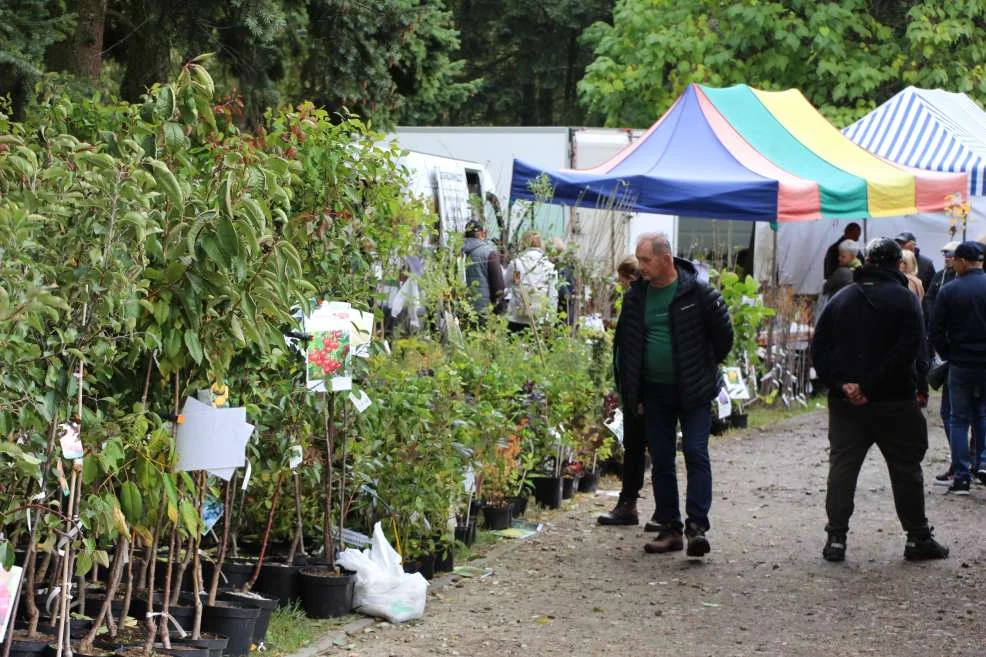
pixel 909 266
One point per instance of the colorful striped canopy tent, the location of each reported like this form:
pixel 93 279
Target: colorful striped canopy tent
pixel 928 129
pixel 740 153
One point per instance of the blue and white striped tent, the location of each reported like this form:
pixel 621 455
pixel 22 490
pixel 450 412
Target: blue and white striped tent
pixel 928 129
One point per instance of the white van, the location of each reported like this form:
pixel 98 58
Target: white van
pixel 447 185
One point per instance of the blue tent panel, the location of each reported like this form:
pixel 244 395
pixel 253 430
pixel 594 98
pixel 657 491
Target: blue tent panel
pixel 680 167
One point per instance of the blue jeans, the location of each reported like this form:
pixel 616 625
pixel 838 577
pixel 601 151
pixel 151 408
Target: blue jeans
pixel 967 389
pixel 661 417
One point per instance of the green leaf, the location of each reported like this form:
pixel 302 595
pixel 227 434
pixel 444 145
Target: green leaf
pixel 236 329
pixel 189 516
pixel 83 564
pixel 174 136
pixel 6 555
pixel 169 184
pixel 131 502
pixel 193 345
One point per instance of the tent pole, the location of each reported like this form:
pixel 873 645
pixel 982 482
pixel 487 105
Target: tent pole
pixel 866 225
pixel 775 269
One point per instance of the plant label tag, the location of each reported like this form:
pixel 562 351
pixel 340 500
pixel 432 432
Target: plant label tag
pixel 294 460
pixel 246 475
pixel 70 441
pixel 342 383
pixel 616 425
pixel 724 405
pixel 360 400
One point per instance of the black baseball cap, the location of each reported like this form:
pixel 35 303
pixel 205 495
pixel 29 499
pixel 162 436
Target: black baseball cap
pixel 969 251
pixel 905 237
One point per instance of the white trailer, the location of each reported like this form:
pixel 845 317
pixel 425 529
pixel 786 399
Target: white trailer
pixel 603 235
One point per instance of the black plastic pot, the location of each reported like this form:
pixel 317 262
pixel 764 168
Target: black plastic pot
pixel 237 572
pixel 739 420
pixel 264 604
pixel 718 426
pixel 280 581
pixel 231 621
pixel 497 517
pixel 519 505
pixel 324 594
pixel 215 644
pixel 444 558
pixel 424 564
pixel 29 647
pixel 567 487
pixel 547 491
pixel 77 628
pixel 475 506
pixel 181 650
pixel 466 533
pixel 94 602
pixel 588 482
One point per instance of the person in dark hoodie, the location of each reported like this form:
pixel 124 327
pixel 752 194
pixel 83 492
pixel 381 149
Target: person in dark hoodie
pixel 866 349
pixel 958 331
pixel 673 332
pixel 484 276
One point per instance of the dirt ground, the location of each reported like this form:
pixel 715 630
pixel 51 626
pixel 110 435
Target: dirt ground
pixel 582 589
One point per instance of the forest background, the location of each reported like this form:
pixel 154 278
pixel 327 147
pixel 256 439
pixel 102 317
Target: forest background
pixel 507 62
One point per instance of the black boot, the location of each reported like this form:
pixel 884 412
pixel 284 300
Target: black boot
pixel 921 546
pixel 625 513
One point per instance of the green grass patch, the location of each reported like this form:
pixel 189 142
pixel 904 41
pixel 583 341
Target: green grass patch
pixel 484 541
pixel 764 416
pixel 290 629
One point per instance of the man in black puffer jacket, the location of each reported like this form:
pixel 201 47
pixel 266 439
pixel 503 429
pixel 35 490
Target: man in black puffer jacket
pixel 866 349
pixel 673 333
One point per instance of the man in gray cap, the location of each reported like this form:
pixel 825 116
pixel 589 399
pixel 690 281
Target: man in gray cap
pixel 484 276
pixel 926 268
pixel 958 332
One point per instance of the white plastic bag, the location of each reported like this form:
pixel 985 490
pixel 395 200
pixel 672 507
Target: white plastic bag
pixel 382 587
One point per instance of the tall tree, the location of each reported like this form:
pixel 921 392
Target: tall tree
pixel 391 60
pixel 27 28
pixel 844 56
pixel 529 58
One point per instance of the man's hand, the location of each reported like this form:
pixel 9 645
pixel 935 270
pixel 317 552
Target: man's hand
pixel 640 410
pixel 853 394
pixel 923 399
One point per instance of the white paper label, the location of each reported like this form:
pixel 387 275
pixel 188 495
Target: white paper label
pixel 360 400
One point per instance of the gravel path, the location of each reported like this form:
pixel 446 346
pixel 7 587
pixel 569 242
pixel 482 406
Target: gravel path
pixel 582 589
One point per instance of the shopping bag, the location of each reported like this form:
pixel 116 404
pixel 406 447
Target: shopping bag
pixel 382 587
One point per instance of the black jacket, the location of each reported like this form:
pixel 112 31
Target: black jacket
pixel 872 333
pixel 958 324
pixel 701 337
pixel 926 268
pixel 941 277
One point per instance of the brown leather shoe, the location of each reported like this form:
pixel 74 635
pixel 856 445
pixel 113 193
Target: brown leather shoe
pixel 625 513
pixel 668 540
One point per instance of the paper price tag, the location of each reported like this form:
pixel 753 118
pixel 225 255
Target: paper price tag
pixel 360 400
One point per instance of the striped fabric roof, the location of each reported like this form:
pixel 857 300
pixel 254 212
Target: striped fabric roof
pixel 746 154
pixel 928 129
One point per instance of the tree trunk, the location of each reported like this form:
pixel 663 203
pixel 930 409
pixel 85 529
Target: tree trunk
pixel 83 55
pixel 148 52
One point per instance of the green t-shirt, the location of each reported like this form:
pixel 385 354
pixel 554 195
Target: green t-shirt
pixel 658 365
